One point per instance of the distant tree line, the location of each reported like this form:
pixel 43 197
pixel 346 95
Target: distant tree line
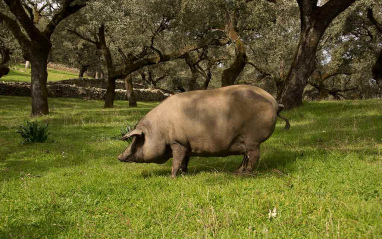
pixel 294 49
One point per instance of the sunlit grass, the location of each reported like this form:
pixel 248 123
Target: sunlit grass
pixel 19 73
pixel 323 177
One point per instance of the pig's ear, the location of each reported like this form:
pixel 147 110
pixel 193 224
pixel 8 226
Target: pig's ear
pixel 135 132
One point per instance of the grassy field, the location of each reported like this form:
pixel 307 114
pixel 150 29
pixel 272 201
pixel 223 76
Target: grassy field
pixel 24 75
pixel 323 178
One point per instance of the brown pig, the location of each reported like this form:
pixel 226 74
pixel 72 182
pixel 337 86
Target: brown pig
pixel 232 120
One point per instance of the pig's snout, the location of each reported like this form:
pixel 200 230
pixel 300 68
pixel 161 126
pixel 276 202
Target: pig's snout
pixel 125 159
pixel 121 158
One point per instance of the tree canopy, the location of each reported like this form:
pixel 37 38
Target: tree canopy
pixel 294 49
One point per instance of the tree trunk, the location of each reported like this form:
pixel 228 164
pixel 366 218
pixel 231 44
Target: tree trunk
pixel 39 90
pixel 323 92
pixel 130 91
pixel 230 74
pixel 207 81
pixel 190 61
pixel 151 80
pixel 83 69
pixel 303 66
pixel 314 21
pixel 5 57
pixel 143 77
pixel 4 70
pixel 191 85
pixel 110 93
pixel 36 45
pixel 377 73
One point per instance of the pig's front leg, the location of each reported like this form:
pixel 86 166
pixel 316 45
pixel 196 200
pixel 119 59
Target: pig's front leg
pixel 178 156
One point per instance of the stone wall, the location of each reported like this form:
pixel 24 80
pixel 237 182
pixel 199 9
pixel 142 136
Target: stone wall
pixel 56 90
pixel 15 89
pixel 97 83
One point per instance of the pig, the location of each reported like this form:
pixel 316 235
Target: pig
pixel 232 120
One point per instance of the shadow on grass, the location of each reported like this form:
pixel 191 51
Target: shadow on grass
pixel 36 159
pixel 273 161
pixel 10 103
pixel 51 227
pixel 23 169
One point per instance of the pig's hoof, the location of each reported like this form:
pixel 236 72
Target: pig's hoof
pixel 240 171
pixel 244 172
pixel 183 171
pixel 249 174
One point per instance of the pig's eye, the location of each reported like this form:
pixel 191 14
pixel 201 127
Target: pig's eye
pixel 138 141
pixel 133 145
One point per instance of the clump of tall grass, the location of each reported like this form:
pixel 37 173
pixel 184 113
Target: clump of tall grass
pixel 124 131
pixel 33 132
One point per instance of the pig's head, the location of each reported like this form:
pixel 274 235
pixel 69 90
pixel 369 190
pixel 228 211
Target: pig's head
pixel 148 146
pixel 134 152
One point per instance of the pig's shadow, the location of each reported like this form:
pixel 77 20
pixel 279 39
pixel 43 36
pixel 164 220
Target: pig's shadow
pixel 273 162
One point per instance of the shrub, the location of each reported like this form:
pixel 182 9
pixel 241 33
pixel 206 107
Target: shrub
pixel 122 132
pixel 126 130
pixel 33 132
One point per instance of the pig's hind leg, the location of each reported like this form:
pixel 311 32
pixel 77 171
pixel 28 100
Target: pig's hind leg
pixel 253 155
pixel 249 160
pixel 243 165
pixel 184 165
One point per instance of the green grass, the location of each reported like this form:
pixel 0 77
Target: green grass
pixel 323 177
pixel 20 74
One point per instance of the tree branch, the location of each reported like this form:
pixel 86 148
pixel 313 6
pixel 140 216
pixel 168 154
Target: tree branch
pixel 82 37
pixel 43 7
pixel 31 3
pixel 152 59
pixel 29 9
pixel 370 15
pixel 123 55
pixel 314 85
pixel 162 26
pixel 271 1
pixel 16 31
pixel 331 10
pixel 5 55
pixel 17 9
pixel 336 90
pixel 368 32
pixel 65 11
pixel 200 70
pixel 327 76
pixel 262 71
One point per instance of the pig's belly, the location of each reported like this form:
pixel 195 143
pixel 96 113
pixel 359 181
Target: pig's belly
pixel 217 148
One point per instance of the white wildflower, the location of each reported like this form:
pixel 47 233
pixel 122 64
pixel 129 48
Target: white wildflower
pixel 272 214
